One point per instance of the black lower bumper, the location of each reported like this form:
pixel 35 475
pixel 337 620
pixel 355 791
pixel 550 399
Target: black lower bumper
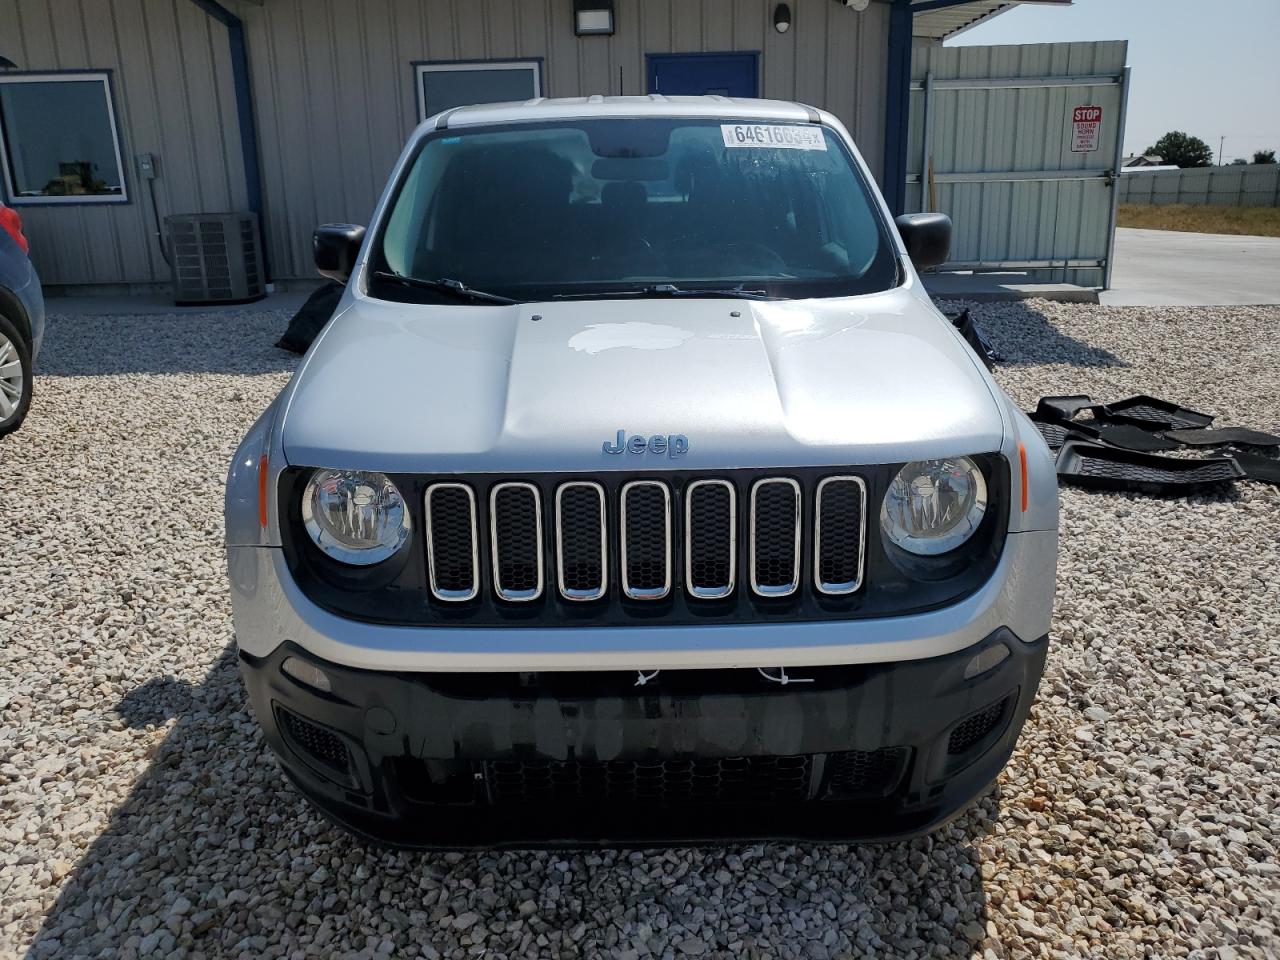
pixel 868 752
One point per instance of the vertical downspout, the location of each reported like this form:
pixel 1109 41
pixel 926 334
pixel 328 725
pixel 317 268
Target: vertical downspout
pixel 897 116
pixel 245 115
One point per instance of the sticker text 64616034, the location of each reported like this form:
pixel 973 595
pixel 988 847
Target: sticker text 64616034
pixel 771 136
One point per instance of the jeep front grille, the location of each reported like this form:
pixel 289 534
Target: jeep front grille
pixel 586 517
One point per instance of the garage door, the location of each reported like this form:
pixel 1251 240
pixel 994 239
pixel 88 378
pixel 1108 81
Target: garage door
pixel 1020 146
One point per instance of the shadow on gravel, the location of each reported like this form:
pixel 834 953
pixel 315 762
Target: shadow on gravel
pixel 213 854
pixel 235 343
pixel 1024 335
pixel 157 700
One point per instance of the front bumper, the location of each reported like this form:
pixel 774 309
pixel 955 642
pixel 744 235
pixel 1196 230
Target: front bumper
pixel 270 609
pixel 871 751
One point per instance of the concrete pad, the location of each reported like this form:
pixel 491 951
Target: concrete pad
pixel 989 287
pixel 1168 268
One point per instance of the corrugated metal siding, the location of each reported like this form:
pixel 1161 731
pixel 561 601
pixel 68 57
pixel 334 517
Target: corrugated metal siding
pixel 335 95
pixel 171 80
pixel 1018 129
pixel 1240 185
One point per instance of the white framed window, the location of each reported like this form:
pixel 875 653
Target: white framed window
pixel 59 141
pixel 442 86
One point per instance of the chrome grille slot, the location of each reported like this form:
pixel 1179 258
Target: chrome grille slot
pixel 515 532
pixel 710 539
pixel 645 538
pixel 581 541
pixel 453 547
pixel 839 537
pixel 775 537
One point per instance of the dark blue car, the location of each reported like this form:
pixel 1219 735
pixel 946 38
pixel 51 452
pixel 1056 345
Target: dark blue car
pixel 21 321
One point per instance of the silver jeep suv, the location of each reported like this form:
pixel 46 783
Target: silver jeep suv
pixel 637 493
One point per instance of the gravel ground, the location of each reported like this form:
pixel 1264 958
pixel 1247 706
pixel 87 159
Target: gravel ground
pixel 142 816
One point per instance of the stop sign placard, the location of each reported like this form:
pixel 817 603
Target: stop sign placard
pixel 1086 123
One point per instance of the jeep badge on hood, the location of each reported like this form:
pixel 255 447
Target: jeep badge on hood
pixel 674 445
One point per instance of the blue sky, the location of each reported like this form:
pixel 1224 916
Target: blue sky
pixel 1209 67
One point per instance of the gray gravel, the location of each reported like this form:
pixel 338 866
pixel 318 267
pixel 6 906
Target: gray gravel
pixel 142 816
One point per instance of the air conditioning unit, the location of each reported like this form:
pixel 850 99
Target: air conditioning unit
pixel 215 257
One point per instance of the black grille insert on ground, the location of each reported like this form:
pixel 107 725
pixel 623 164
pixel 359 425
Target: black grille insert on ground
pixel 323 746
pixel 1107 468
pixel 452 548
pixel 516 532
pixel 975 727
pixel 702 779
pixel 840 533
pixel 646 540
pixel 580 540
pixel 1155 414
pixel 775 537
pixel 865 773
pixel 711 545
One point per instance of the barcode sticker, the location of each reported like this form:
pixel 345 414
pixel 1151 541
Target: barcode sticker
pixel 773 136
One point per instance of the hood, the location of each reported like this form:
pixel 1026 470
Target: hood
pixel 549 386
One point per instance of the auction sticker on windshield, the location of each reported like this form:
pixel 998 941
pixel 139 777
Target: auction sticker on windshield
pixel 772 136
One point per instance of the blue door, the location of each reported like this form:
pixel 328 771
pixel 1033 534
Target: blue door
pixel 694 74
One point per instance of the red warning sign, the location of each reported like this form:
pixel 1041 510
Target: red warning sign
pixel 1086 122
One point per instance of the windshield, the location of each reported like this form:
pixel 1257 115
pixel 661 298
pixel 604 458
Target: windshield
pixel 633 207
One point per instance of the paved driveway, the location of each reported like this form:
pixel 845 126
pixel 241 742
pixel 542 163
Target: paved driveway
pixel 1163 267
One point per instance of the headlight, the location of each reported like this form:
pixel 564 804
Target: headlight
pixel 933 506
pixel 357 518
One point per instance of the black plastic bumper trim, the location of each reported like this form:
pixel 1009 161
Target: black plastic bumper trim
pixel 448 725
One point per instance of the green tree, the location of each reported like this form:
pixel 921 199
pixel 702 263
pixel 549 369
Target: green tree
pixel 1264 156
pixel 1182 150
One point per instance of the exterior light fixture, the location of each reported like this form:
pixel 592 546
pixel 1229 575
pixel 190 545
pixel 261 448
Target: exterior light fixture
pixel 593 18
pixel 782 18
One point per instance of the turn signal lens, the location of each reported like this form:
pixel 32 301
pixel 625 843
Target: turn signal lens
pixel 308 674
pixel 1026 481
pixel 934 506
pixel 355 517
pixel 988 659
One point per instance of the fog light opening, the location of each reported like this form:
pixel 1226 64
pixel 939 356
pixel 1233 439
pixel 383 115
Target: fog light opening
pixel 313 676
pixel 988 659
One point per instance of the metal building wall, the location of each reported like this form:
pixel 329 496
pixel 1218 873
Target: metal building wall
pixel 988 130
pixel 335 96
pixel 171 80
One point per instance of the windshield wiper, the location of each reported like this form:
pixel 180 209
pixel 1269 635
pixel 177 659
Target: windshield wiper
pixel 456 287
pixel 669 290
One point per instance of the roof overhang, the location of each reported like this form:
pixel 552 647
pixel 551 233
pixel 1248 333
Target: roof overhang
pixel 933 21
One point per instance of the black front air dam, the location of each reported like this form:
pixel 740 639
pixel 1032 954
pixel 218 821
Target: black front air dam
pixel 413 759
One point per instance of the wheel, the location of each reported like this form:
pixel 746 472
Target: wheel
pixel 15 377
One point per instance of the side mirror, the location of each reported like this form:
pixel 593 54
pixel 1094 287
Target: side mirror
pixel 927 237
pixel 336 247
